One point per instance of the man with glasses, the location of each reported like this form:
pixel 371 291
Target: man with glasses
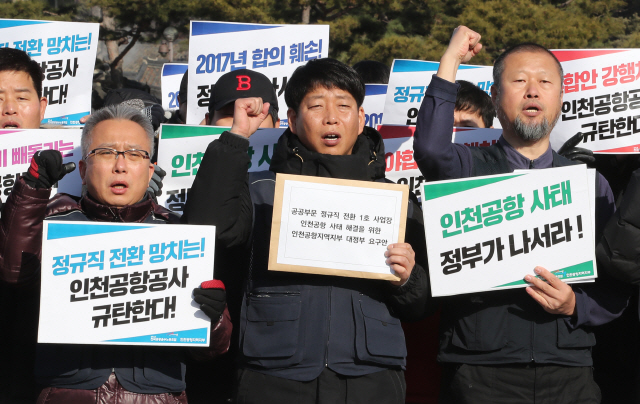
pixel 116 145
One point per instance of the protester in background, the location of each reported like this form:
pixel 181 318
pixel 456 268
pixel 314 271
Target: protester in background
pixel 297 337
pixel 373 72
pixel 180 116
pixel 146 103
pixel 116 148
pixel 242 83
pixel 505 346
pixel 474 108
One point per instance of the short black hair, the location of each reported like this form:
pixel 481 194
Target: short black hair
pixel 498 65
pixel 184 85
pixel 328 73
pixel 19 61
pixel 475 101
pixel 373 72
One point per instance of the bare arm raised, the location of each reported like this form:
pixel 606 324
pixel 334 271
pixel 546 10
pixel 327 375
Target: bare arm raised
pixel 464 45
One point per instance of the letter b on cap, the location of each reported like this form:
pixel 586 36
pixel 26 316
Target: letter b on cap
pixel 244 83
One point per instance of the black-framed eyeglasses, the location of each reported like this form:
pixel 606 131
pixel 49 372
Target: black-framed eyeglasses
pixel 108 154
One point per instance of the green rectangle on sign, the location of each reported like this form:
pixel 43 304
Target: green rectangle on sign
pixel 438 189
pixel 184 131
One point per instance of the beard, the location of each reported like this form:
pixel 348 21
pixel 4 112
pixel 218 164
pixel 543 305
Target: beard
pixel 528 132
pixel 532 132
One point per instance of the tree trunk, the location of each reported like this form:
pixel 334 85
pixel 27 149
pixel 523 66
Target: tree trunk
pixel 109 23
pixel 306 13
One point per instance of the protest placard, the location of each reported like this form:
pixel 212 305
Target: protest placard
pixel 373 104
pixel 19 145
pixel 67 53
pixel 398 146
pixel 487 233
pixel 170 81
pixel 182 147
pixel 601 95
pixel 336 227
pixel 601 99
pixel 180 152
pixel 409 80
pixel 124 283
pixel 276 51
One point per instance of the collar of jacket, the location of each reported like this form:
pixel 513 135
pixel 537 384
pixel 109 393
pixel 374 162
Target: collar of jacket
pixel 136 213
pixel 104 213
pixel 366 163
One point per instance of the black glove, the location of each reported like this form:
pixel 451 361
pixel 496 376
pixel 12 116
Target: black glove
pixel 212 298
pixel 573 153
pixel 155 185
pixel 46 169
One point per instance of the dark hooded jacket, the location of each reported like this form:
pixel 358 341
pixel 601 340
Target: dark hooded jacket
pixel 139 369
pixel 294 325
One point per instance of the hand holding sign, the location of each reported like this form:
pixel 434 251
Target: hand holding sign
pixel 248 114
pixel 212 297
pixel 555 297
pixel 463 46
pixel 402 259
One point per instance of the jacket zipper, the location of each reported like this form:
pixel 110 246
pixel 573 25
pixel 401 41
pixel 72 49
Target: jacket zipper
pixel 270 293
pixel 326 354
pixel 533 334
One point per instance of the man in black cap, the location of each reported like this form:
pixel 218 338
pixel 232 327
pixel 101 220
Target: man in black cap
pixel 242 83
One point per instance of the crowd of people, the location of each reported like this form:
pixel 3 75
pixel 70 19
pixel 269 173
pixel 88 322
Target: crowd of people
pixel 302 338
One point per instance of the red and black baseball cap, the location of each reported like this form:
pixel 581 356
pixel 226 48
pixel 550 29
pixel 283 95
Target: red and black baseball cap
pixel 242 83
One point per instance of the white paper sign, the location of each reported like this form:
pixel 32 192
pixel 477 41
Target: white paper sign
pixel 170 81
pixel 180 153
pixel 487 233
pixel 67 54
pixel 337 227
pixel 19 145
pixel 373 104
pixel 276 51
pixel 124 283
pixel 409 80
pixel 601 99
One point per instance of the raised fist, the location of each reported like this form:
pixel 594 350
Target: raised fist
pixel 464 44
pixel 248 114
pixel 46 169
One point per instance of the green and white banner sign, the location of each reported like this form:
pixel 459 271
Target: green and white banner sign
pixel 487 233
pixel 181 149
pixel 124 283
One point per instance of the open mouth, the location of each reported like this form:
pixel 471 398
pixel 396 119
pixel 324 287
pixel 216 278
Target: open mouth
pixel 119 186
pixel 331 136
pixel 10 125
pixel 532 108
